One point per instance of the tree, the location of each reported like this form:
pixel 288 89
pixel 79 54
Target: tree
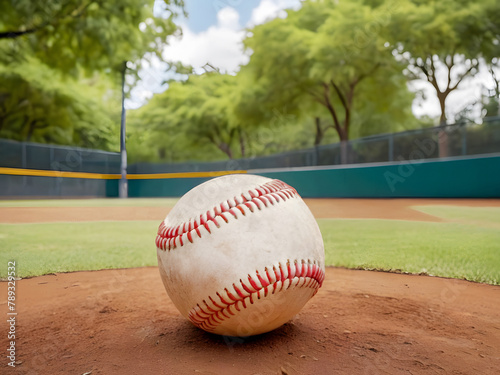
pixel 442 42
pixel 327 59
pixel 491 101
pixel 71 35
pixel 60 65
pixel 198 111
pixel 37 105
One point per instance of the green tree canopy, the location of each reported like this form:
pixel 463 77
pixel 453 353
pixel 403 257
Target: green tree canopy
pixel 38 105
pixel 330 60
pixel 60 62
pixel 88 35
pixel 442 42
pixel 197 113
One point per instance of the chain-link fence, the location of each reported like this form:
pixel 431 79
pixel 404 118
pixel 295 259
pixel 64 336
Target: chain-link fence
pixel 451 141
pixel 57 158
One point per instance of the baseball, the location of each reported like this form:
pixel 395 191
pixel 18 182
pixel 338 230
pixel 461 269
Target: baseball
pixel 240 255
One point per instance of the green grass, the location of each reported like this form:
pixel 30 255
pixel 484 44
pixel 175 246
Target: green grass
pixel 113 202
pixel 440 249
pixel 467 247
pixel 61 247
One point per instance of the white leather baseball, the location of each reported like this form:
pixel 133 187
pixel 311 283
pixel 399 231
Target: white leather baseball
pixel 240 255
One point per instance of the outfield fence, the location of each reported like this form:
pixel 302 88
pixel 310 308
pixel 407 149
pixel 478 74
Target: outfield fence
pixel 28 155
pixel 29 169
pixel 41 170
pixel 450 141
pixel 461 140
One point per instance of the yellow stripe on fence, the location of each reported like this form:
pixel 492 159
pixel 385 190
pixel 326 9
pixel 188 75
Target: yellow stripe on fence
pixel 43 173
pixel 100 176
pixel 180 175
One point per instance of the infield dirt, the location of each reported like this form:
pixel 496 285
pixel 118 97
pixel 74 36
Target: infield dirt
pixel 360 322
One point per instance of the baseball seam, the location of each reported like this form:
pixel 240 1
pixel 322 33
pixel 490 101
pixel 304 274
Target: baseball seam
pixel 270 193
pixel 215 309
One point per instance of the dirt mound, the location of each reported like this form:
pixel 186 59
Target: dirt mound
pixel 360 322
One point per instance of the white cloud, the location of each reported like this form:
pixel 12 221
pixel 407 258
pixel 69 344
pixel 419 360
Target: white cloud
pixel 228 18
pixel 269 9
pixel 220 45
pixel 151 81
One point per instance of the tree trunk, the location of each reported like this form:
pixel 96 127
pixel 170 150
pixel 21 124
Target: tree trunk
pixel 443 135
pixel 31 129
pixel 319 132
pixel 428 68
pixel 242 144
pixel 224 147
pixel 344 146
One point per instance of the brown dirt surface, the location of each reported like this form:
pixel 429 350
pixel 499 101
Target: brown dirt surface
pixel 360 322
pixel 398 209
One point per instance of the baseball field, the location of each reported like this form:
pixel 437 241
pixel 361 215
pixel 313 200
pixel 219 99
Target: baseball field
pixel 412 287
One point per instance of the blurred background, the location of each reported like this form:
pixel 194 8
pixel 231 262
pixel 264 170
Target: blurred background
pixel 233 84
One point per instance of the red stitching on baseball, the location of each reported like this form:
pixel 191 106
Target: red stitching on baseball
pixel 269 193
pixel 310 276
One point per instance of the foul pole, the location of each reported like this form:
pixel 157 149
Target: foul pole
pixel 123 187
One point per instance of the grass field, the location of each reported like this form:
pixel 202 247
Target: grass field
pixel 439 249
pixel 466 246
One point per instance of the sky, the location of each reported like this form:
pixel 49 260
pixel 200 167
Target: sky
pixel 214 30
pixel 213 33
pixel 203 13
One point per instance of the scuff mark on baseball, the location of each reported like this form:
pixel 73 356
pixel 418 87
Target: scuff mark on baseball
pixel 240 255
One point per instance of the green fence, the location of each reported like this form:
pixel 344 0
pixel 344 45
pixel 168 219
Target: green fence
pixel 34 157
pixel 467 177
pixel 467 154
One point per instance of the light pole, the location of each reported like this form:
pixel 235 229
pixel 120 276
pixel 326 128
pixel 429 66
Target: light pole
pixel 123 187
